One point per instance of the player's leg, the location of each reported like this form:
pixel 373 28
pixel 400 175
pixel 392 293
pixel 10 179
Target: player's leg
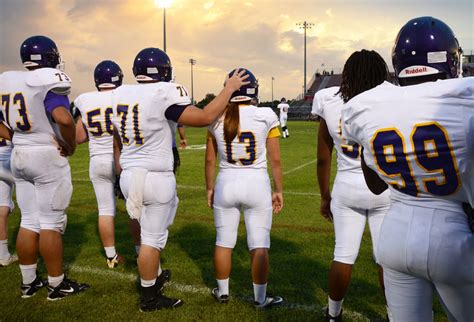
pixel 349 225
pixel 409 298
pixel 102 175
pixel 286 127
pixel 451 264
pixel 258 222
pixel 6 206
pixel 157 215
pixel 283 127
pixel 176 159
pixel 375 219
pixel 226 221
pixel 134 226
pixel 27 242
pixel 53 192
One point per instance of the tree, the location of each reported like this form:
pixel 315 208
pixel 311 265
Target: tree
pixel 206 100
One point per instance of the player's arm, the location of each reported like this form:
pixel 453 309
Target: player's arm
pixel 373 181
pixel 5 132
pixel 194 116
pixel 210 168
pixel 57 106
pixel 273 151
pixel 183 143
pixel 323 168
pixel 81 132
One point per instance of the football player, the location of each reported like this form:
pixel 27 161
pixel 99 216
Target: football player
pixel 283 107
pixel 141 115
pixel 36 108
pixel 242 138
pixel 351 204
pixel 6 203
pixel 418 141
pixel 95 125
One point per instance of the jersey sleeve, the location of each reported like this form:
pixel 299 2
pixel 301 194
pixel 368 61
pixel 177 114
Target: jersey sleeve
pixel 274 133
pixel 177 95
pixel 317 108
pixel 51 79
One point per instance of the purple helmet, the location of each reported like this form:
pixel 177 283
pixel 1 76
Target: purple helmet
pixel 426 46
pixel 108 74
pixel 246 92
pixel 39 51
pixel 152 64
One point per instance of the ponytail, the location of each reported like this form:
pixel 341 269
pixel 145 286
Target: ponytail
pixel 231 122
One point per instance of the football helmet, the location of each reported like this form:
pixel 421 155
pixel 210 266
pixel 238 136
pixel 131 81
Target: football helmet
pixel 108 74
pixel 426 46
pixel 152 64
pixel 40 51
pixel 246 92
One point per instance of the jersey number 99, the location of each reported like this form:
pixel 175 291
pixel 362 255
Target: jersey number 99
pixel 432 152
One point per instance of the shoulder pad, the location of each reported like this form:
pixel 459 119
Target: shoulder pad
pixel 53 79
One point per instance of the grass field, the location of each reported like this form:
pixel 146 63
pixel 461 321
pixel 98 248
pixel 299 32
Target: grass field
pixel 302 247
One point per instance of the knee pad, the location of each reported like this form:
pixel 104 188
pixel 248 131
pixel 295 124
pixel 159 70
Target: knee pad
pixel 30 222
pixel 157 241
pixel 227 224
pixel 56 221
pixel 258 230
pixel 345 256
pixel 62 196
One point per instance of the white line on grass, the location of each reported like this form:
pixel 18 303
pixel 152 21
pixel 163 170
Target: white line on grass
pixel 184 288
pixel 300 167
pixel 181 186
pixel 81 171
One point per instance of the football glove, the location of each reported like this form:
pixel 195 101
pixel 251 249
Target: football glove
pixel 117 190
pixel 470 214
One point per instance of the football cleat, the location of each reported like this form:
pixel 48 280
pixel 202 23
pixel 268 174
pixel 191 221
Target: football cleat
pixel 270 301
pixel 153 300
pixel 161 280
pixel 330 318
pixel 28 290
pixel 66 288
pixel 11 259
pixel 219 298
pixel 113 262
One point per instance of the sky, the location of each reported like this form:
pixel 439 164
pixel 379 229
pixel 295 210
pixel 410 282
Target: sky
pixel 220 35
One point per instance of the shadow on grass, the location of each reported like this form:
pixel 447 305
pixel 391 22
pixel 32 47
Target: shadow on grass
pixel 293 275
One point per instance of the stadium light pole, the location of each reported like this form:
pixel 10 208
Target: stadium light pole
pixel 305 26
pixel 273 78
pixel 164 4
pixel 192 62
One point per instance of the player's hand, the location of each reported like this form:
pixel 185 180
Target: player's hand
pixel 326 208
pixel 210 198
pixel 235 81
pixel 64 149
pixel 183 144
pixel 277 202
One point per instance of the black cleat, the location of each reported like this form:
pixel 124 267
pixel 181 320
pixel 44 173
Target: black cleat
pixel 161 280
pixel 66 288
pixel 270 301
pixel 28 290
pixel 219 298
pixel 152 300
pixel 330 318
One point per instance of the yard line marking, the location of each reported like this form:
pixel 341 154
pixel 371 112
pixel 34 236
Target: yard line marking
pixel 299 167
pixel 82 171
pixel 185 288
pixel 182 186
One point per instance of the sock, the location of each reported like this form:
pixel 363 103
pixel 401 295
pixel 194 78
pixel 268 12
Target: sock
pixel 223 286
pixel 287 133
pixel 260 292
pixel 4 253
pixel 55 280
pixel 110 251
pixel 147 283
pixel 159 270
pixel 334 307
pixel 28 273
pixel 137 249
